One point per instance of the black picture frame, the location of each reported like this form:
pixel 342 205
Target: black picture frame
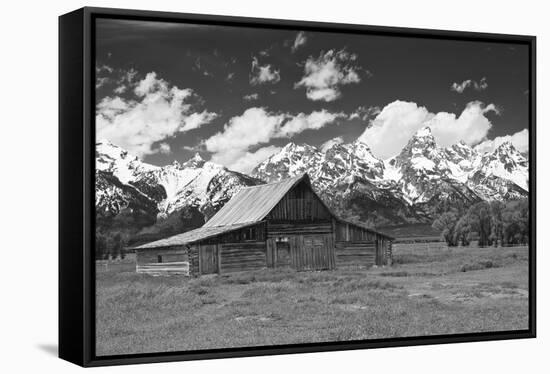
pixel 76 193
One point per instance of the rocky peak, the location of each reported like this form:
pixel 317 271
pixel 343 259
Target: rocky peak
pixel 420 153
pixel 507 157
pixel 194 162
pixel 421 140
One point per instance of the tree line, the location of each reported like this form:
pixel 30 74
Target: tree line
pixel 114 234
pixel 491 223
pixel 110 245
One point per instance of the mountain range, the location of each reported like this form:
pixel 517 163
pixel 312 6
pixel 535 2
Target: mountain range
pixel 420 182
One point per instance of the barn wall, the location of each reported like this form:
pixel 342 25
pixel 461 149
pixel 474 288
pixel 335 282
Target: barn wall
pixel 351 238
pixel 247 234
pixel 242 256
pixel 348 232
pixel 286 229
pixel 312 252
pixel 173 260
pixel 300 204
pixel 358 253
pixel 193 251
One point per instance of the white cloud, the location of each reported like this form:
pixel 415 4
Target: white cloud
pixel 520 140
pixel 249 160
pixel 365 113
pixel 323 76
pixel 164 148
pixel 300 40
pixel 314 121
pixel 257 126
pixel 104 68
pixel 331 142
pixel 101 81
pixel 398 121
pixel 158 111
pixel 251 97
pixel 120 89
pixel 254 126
pixel 263 74
pixel 478 86
pixel 125 81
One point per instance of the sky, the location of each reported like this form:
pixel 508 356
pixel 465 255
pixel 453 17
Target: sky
pixel 236 95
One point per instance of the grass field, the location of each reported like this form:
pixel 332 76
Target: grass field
pixel 429 290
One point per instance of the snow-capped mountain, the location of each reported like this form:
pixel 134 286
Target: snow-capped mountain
pixel 124 181
pixel 421 180
pixel 290 161
pixel 501 175
pixel 427 174
pixel 413 186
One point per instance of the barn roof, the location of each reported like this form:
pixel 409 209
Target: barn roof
pixel 192 236
pixel 365 227
pixel 252 204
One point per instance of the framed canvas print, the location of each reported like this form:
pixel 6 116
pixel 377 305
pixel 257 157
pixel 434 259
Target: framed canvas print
pixel 234 187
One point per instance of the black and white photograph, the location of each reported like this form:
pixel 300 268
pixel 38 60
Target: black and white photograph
pixel 273 186
pixel 254 187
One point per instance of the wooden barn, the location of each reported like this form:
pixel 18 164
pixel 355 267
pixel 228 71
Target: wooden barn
pixel 283 224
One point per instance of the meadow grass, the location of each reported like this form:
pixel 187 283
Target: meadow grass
pixel 430 290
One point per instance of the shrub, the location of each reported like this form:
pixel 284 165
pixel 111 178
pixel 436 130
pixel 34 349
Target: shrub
pixel 478 266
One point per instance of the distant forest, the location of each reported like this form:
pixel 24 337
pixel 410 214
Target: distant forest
pixel 490 223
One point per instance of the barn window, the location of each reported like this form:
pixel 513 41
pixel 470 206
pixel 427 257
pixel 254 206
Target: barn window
pixel 159 259
pixel 249 234
pixel 282 239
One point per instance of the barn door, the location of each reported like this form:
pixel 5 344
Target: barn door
pixel 283 254
pixel 208 260
pixel 312 252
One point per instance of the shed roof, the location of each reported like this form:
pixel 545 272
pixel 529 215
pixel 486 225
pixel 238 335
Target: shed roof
pixel 252 204
pixel 194 235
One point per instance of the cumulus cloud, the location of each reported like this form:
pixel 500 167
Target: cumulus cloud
pixel 331 142
pixel 520 140
pixel 251 97
pixel 125 81
pixel 398 121
pixel 156 111
pixel 106 74
pixel 478 86
pixel 301 122
pixel 164 148
pixel 120 89
pixel 257 126
pixel 263 74
pixel 249 160
pixel 101 81
pixel 104 68
pixel 324 75
pixel 300 40
pixel 365 113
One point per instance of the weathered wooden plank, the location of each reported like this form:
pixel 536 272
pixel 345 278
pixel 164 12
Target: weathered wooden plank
pixel 271 253
pixel 299 204
pixel 164 268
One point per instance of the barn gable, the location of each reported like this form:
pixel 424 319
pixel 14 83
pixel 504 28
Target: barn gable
pixel 300 204
pixel 252 204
